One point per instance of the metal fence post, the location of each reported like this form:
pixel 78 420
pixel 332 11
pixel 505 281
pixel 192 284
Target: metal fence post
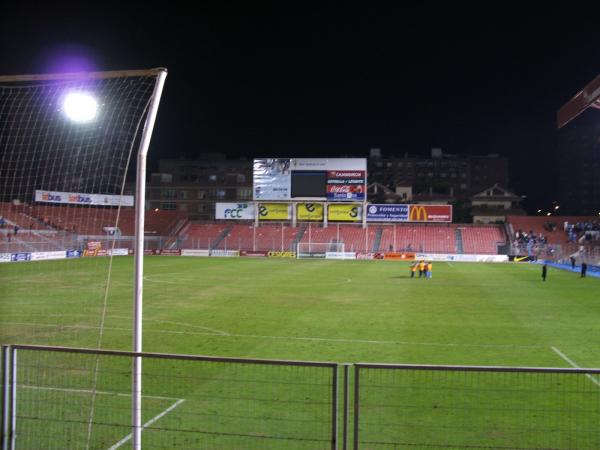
pixel 5 395
pixel 13 409
pixel 334 412
pixel 346 405
pixel 356 403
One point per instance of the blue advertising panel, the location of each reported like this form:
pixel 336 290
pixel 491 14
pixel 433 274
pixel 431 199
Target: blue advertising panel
pixel 387 213
pixel 20 257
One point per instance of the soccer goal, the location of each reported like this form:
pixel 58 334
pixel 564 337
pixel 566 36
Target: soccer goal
pixel 318 249
pixel 68 147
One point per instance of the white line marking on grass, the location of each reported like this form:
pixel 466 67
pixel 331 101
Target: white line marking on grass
pixel 326 283
pixel 161 281
pixel 573 364
pixel 450 264
pixel 289 338
pixel 212 330
pixel 89 391
pixel 150 422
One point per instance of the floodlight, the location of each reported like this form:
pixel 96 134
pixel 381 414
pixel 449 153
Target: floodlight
pixel 80 107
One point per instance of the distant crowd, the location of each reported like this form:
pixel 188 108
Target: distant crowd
pixel 582 231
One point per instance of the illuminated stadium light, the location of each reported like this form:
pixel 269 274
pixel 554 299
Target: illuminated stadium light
pixel 80 107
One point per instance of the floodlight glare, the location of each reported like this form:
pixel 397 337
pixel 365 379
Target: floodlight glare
pixel 80 107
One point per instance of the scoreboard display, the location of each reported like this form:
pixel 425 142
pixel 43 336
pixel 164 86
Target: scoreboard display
pixel 333 179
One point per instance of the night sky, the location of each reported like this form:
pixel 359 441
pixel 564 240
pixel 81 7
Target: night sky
pixel 329 82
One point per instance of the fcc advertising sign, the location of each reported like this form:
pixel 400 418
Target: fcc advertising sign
pixel 409 213
pixel 234 211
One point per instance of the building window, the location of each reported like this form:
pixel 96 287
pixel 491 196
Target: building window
pixel 201 195
pixel 168 206
pixel 212 178
pixel 245 193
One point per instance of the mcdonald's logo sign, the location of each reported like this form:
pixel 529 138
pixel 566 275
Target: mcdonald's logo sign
pixel 430 213
pixel 417 214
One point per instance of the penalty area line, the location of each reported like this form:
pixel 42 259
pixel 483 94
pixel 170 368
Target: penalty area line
pixel 150 422
pixel 573 364
pixel 90 391
pixel 285 338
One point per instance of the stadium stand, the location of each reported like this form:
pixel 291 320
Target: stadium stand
pixel 202 235
pixel 554 228
pixel 482 239
pixel 267 237
pixel 417 238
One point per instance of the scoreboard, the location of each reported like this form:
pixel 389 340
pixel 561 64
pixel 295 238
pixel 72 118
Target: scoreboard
pixel 325 179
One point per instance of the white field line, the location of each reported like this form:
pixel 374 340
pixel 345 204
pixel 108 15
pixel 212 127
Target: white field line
pixel 288 338
pixel 212 330
pixel 331 283
pixel 150 422
pixel 573 364
pixel 89 391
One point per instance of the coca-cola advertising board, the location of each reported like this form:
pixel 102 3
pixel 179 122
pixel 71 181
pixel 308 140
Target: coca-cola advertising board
pixel 346 185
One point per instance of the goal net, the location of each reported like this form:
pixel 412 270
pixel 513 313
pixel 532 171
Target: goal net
pixel 318 249
pixel 67 178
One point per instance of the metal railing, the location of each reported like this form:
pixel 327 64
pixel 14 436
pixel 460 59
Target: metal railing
pixel 57 397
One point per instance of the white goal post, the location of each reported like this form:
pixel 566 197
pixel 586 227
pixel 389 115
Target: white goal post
pixel 318 249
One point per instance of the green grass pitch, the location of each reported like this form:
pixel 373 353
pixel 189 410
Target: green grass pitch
pixel 316 310
pixel 346 311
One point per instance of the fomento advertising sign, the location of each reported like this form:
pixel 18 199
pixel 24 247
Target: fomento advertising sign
pixel 387 213
pixel 234 211
pixel 409 213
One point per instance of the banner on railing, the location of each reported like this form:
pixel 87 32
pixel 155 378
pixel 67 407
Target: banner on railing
pixel 409 213
pixel 310 211
pixel 274 211
pixel 234 211
pixel 351 212
pixel 78 198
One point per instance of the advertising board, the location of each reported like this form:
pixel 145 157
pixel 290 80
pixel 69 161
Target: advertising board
pixel 20 257
pixel 272 179
pixel 79 198
pixel 274 254
pixel 430 213
pixel 310 211
pixel 340 255
pixel 409 213
pixel 344 212
pixel 253 254
pixel 387 213
pixel 333 179
pixel 41 256
pixel 234 211
pixel 225 253
pixel 274 211
pixel 193 252
pixel 346 185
